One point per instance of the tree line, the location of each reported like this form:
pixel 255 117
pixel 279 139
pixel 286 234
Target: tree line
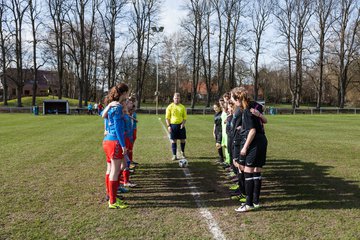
pixel 94 44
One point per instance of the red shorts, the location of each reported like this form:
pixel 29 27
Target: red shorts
pixel 112 150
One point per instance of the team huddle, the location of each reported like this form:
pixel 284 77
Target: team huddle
pixel 238 132
pixel 241 144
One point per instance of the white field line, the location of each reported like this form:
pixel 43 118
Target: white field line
pixel 210 220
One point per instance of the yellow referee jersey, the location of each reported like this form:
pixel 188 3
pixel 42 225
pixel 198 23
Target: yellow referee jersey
pixel 176 113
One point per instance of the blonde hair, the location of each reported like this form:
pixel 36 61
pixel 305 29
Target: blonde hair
pixel 241 95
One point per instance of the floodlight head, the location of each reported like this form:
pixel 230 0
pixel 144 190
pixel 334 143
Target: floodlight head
pixel 155 29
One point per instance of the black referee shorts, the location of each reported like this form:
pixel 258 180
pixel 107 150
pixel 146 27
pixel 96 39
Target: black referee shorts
pixel 177 132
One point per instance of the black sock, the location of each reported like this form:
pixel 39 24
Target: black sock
pixel 249 188
pixel 173 147
pixel 241 182
pixel 221 155
pixel 257 187
pixel 182 147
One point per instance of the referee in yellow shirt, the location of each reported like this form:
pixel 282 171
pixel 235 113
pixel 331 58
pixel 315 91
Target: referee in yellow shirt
pixel 175 120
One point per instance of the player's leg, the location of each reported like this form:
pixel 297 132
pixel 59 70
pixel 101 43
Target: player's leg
pixel 182 136
pixel 257 186
pixel 182 144
pixel 107 179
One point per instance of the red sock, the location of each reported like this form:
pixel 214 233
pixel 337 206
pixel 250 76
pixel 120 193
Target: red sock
pixel 126 175
pixel 120 176
pixel 113 190
pixel 130 154
pixel 107 184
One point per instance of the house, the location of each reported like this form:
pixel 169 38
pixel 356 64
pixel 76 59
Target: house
pixel 47 83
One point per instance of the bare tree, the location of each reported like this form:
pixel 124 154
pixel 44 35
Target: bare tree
pixel 235 31
pixel 173 58
pixel 144 15
pixel 5 48
pixel 195 28
pixel 228 12
pixel 293 17
pixel 34 18
pixel 324 18
pixel 347 48
pixel 217 4
pixel 110 18
pixel 58 10
pixel 206 52
pixel 261 13
pixel 18 9
pixel 82 38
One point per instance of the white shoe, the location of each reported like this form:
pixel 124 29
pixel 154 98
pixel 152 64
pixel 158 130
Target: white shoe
pixel 129 184
pixel 244 208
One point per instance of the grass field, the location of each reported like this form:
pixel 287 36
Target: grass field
pixel 52 181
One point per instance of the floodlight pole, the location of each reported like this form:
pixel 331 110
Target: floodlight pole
pixel 156 31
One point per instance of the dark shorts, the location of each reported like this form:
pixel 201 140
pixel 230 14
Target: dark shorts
pixel 256 154
pixel 236 154
pixel 177 132
pixel 218 137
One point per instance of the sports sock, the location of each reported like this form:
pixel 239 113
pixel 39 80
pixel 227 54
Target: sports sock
pixel 126 175
pixel 130 154
pixel 257 186
pixel 113 190
pixel 241 182
pixel 182 147
pixel 107 184
pixel 249 188
pixel 120 178
pixel 173 147
pixel 221 155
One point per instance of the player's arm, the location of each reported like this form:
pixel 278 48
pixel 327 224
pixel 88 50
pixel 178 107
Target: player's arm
pixel 104 113
pixel 249 139
pixel 119 129
pixel 184 117
pixel 214 130
pixel 167 118
pixel 258 114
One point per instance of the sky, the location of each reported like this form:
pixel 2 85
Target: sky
pixel 171 15
pixel 173 12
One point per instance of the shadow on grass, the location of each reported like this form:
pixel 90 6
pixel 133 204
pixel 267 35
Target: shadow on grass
pixel 295 184
pixel 165 185
pixel 287 185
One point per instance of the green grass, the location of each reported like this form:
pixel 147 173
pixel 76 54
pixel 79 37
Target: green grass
pixel 52 173
pixel 27 101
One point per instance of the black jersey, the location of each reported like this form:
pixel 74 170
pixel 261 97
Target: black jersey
pixel 256 153
pixel 228 125
pixel 217 122
pixel 259 124
pixel 247 122
pixel 236 125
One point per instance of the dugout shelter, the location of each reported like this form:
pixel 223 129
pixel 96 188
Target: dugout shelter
pixel 56 107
